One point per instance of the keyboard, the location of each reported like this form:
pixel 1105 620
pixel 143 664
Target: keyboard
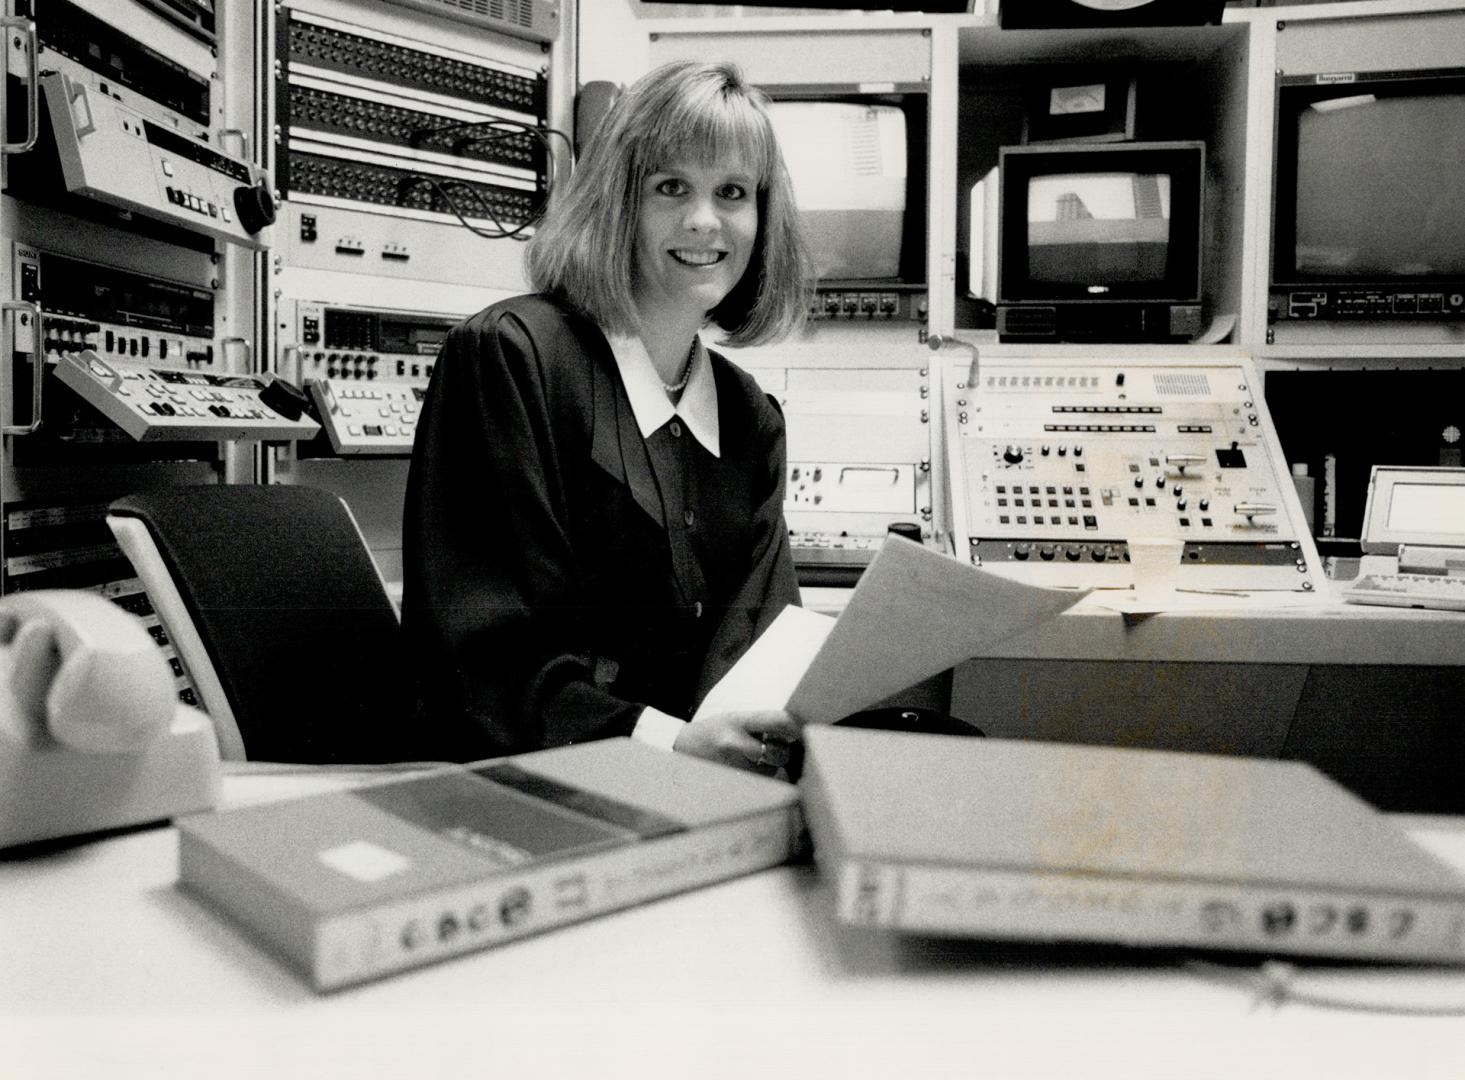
pixel 1408 590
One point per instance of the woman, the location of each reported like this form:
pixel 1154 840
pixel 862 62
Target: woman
pixel 594 521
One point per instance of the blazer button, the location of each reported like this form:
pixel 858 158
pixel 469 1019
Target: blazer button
pixel 697 610
pixel 688 518
pixel 676 430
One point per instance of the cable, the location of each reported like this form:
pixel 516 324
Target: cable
pixel 498 125
pixel 500 129
pixel 443 193
pixel 1272 984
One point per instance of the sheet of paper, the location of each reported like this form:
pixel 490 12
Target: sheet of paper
pixel 914 613
pixel 765 676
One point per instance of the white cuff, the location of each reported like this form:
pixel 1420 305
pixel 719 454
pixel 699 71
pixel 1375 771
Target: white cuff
pixel 657 728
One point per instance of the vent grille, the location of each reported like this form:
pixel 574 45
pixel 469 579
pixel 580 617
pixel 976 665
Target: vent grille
pixel 534 19
pixel 515 12
pixel 1188 385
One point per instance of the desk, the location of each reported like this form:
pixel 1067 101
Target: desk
pixel 107 970
pixel 1370 695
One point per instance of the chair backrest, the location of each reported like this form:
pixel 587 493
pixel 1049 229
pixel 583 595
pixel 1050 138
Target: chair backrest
pixel 281 617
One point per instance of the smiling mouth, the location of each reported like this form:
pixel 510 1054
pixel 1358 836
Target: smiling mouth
pixel 698 258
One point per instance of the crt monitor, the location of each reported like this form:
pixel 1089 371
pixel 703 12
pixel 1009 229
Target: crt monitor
pixel 1096 242
pixel 858 165
pixel 1369 196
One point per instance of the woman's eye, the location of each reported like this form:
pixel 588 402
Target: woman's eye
pixel 671 186
pixel 732 191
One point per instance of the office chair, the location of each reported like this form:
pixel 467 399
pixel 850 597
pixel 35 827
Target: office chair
pixel 280 617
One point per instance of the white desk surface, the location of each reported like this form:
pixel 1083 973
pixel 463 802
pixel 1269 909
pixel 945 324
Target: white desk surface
pixel 107 970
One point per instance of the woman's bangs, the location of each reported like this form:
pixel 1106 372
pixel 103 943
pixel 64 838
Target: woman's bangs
pixel 730 131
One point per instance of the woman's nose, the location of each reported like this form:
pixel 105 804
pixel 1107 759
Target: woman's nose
pixel 701 215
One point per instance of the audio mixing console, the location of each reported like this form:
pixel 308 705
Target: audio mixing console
pixel 1054 466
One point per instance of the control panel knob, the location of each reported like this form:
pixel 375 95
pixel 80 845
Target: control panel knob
pixel 285 398
pixel 908 529
pixel 255 207
pixel 1012 455
pixel 1250 510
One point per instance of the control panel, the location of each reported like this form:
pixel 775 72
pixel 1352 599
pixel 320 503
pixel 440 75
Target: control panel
pixel 155 403
pixel 138 56
pixel 366 371
pixel 117 155
pixel 859 456
pixel 368 418
pixel 1380 302
pixel 1055 466
pixel 114 312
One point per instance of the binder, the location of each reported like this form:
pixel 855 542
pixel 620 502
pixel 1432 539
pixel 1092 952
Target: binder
pixel 1040 841
pixel 347 886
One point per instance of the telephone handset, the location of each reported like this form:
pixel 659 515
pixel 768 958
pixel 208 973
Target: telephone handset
pixel 92 735
pixel 78 669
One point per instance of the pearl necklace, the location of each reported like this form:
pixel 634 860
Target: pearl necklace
pixel 681 384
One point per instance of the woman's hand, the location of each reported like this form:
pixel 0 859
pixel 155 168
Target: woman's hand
pixel 757 740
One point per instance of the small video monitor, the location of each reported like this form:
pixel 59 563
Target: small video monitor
pixel 1423 506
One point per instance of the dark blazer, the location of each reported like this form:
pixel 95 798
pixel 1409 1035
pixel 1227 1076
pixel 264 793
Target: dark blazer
pixel 562 572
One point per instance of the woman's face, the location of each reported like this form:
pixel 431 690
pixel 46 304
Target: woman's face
pixel 696 235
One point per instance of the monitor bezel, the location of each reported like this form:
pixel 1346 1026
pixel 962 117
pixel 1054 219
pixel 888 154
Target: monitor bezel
pixel 1295 93
pixel 1378 538
pixel 1184 160
pixel 915 102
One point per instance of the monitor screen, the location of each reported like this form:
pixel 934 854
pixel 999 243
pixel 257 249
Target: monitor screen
pixel 1086 222
pixel 1379 191
pixel 854 168
pixel 1111 227
pixel 1428 508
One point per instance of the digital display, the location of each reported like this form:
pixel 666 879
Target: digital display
pixel 1099 228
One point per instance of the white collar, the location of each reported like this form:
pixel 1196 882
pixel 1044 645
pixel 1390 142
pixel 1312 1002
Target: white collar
pixel 697 407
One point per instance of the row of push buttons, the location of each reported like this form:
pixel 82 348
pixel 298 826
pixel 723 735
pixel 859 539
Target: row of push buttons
pixel 124 345
pixel 1089 520
pixel 169 402
pixel 401 416
pixel 179 197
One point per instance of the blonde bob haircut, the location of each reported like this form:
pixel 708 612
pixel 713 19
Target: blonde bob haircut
pixel 584 251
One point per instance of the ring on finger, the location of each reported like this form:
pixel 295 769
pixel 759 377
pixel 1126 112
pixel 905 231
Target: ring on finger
pixel 762 761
